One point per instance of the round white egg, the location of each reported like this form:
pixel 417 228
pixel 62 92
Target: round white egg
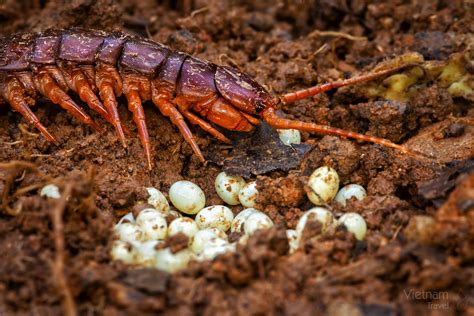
pixel 228 187
pixel 319 214
pixel 146 252
pixel 207 238
pixel 293 239
pixel 158 200
pixel 257 221
pixel 248 194
pixel 289 136
pixel 349 191
pixel 217 216
pixel 187 197
pixel 129 232
pixel 123 251
pixel 211 253
pixel 153 225
pixel 170 262
pixel 354 223
pixel 183 225
pixel 50 191
pixel 127 218
pixel 240 219
pixel 323 184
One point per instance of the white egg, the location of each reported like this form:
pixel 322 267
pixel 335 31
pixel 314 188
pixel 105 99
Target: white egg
pixel 127 218
pixel 350 191
pixel 228 187
pixel 123 251
pixel 240 219
pixel 323 184
pixel 293 239
pixel 207 238
pixel 158 200
pixel 289 136
pixel 248 194
pixel 217 216
pixel 257 221
pixel 183 225
pixel 187 197
pixel 170 262
pixel 319 214
pixel 50 191
pixel 212 252
pixel 146 252
pixel 153 224
pixel 243 240
pixel 354 223
pixel 129 232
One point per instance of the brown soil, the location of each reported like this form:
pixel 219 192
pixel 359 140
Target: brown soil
pixel 418 256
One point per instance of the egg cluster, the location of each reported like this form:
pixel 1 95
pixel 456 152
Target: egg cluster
pixel 138 239
pixel 141 240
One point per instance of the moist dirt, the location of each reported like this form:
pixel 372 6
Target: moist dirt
pixel 418 255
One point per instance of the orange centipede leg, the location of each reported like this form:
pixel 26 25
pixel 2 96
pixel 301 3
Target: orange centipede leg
pixel 107 95
pixel 273 120
pixel 135 106
pixel 53 92
pixel 167 109
pixel 15 95
pixel 86 94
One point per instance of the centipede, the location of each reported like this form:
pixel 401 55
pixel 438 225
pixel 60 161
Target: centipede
pixel 99 67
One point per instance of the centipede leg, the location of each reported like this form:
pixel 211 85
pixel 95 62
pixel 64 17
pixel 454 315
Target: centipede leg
pixel 167 109
pixel 194 119
pixel 15 95
pixel 108 97
pixel 135 106
pixel 53 92
pixel 87 95
pixel 273 120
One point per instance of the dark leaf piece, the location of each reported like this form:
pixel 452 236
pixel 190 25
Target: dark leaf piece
pixel 260 152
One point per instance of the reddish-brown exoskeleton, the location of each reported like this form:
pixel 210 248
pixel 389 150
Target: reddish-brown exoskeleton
pixel 90 62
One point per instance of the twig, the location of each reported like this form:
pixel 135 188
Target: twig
pixel 317 33
pixel 69 305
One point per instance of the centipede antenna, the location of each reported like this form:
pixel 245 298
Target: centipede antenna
pixel 312 91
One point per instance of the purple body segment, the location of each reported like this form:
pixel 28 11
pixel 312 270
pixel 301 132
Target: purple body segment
pixel 45 50
pixel 111 49
pixel 196 82
pixel 143 57
pixel 169 72
pixel 240 90
pixel 15 53
pixel 80 47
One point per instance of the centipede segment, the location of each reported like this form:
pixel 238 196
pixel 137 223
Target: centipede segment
pixel 99 67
